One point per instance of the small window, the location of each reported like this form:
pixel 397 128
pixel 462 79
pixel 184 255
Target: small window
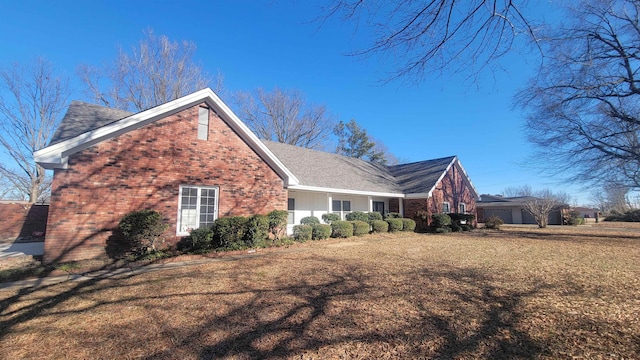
pixel 446 208
pixel 291 206
pixel 462 208
pixel 203 123
pixel 198 208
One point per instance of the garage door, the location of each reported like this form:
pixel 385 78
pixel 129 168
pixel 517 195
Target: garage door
pixel 504 214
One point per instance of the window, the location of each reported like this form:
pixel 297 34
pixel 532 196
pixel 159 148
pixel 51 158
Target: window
pixel 378 206
pixel 198 208
pixel 291 206
pixel 462 208
pixel 203 123
pixel 446 208
pixel 341 207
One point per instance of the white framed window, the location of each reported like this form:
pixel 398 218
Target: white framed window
pixel 446 207
pixel 462 208
pixel 341 207
pixel 291 207
pixel 203 123
pixel 198 207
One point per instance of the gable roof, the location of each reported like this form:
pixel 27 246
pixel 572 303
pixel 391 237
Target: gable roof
pixel 323 171
pixel 105 125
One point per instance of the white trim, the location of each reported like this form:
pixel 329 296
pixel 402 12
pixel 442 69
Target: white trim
pixel 344 191
pixel 468 180
pixel 54 156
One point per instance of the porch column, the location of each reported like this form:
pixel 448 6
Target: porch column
pixel 401 206
pixel 370 204
pixel 329 201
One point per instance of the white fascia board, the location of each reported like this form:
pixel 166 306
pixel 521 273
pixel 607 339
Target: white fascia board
pixel 418 196
pixel 468 180
pixel 248 136
pixel 345 191
pixel 453 161
pixel 55 156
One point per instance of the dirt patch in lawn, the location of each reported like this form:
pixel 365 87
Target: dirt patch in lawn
pixel 487 294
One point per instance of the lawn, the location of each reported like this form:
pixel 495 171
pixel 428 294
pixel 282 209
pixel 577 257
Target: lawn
pixel 557 293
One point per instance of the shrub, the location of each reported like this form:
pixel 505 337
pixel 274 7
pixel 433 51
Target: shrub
pixel 374 215
pixel 393 215
pixel 394 224
pixel 493 222
pixel 321 231
pixel 455 226
pixel 200 239
pixel 302 232
pixel 408 224
pixel 278 222
pixel 466 227
pixel 357 216
pixel 309 220
pixel 143 230
pixel 256 231
pixel 228 233
pixel 629 216
pixel 341 229
pixel 439 221
pixel 379 226
pixel 442 230
pixel 330 217
pixel 360 227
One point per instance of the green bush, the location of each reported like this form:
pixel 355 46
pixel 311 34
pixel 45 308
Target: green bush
pixel 309 220
pixel 439 221
pixel 228 233
pixel 379 226
pixel 341 229
pixel 455 226
pixel 394 224
pixel 466 227
pixel 493 222
pixel 442 230
pixel 374 215
pixel 321 231
pixel 200 239
pixel 360 227
pixel 278 223
pixel 302 232
pixel 256 232
pixel 393 215
pixel 357 216
pixel 408 224
pixel 143 230
pixel 330 217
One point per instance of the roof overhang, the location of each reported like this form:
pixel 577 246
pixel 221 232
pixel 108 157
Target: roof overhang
pixel 345 191
pixel 56 156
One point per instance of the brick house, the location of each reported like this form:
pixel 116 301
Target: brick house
pixel 194 160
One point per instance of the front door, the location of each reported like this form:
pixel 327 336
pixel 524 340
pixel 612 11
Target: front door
pixel 378 206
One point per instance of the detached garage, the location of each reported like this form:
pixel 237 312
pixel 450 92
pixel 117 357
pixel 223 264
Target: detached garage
pixel 511 210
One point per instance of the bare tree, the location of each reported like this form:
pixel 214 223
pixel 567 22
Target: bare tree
pixel 543 203
pixel 584 106
pixel 32 100
pixel 612 198
pixel 423 36
pixel 285 116
pixel 158 70
pixel 513 191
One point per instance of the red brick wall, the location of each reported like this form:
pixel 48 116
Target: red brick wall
pixel 143 169
pixel 21 219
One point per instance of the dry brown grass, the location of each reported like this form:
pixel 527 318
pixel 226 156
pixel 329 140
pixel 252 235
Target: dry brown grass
pixel 518 293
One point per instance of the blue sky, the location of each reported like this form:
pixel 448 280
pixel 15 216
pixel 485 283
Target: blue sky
pixel 276 43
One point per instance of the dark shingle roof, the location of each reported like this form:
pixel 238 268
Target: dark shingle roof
pixel 328 170
pixel 500 201
pixel 420 177
pixel 82 117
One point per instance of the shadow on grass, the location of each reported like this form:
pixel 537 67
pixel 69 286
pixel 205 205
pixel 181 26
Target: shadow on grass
pixel 309 313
